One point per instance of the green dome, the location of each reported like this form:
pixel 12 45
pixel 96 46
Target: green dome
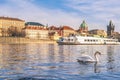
pixel 83 25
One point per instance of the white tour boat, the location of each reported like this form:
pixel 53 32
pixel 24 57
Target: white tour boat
pixel 86 40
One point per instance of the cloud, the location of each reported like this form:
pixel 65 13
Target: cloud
pixel 97 13
pixel 30 12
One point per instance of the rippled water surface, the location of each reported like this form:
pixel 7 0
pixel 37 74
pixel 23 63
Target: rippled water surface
pixel 57 62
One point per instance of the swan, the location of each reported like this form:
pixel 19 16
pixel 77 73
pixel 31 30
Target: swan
pixel 89 59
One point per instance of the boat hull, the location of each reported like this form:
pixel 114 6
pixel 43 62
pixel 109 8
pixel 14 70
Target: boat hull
pixel 79 40
pixel 73 43
pixel 68 43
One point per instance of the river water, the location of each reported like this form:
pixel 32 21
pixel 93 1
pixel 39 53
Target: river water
pixel 58 62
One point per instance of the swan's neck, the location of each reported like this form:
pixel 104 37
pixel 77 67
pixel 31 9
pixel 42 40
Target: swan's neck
pixel 96 58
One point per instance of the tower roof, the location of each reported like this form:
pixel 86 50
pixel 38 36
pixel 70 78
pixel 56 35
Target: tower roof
pixel 66 28
pixel 10 18
pixel 111 23
pixel 83 25
pixel 34 23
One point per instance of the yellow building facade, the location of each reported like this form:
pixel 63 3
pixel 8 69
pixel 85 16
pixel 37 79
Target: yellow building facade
pixel 97 32
pixel 8 24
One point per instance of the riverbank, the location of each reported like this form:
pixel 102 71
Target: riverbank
pixel 17 40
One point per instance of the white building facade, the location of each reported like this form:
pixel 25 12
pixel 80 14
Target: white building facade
pixel 35 30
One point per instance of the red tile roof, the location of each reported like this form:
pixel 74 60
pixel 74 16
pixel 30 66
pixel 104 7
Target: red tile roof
pixel 9 18
pixel 66 28
pixel 53 28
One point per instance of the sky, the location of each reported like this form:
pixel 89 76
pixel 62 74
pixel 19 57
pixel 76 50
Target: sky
pixel 96 13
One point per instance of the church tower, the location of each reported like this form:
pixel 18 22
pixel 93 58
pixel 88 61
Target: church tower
pixel 110 29
pixel 83 28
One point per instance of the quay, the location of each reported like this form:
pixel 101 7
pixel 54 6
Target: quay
pixel 17 40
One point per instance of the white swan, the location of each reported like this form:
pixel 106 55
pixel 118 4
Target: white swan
pixel 88 59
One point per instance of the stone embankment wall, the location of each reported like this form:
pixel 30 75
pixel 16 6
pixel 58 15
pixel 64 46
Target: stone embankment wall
pixel 23 40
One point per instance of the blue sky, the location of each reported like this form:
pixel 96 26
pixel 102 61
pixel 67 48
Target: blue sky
pixel 96 13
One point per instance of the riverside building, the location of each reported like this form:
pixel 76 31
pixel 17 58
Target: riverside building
pixel 11 26
pixel 98 33
pixel 35 30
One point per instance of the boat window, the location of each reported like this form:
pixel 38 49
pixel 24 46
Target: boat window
pixel 68 39
pixel 85 40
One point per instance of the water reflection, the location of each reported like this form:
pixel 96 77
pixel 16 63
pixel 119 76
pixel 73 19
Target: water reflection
pixel 96 68
pixel 89 67
pixel 39 60
pixel 110 58
pixel 9 58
